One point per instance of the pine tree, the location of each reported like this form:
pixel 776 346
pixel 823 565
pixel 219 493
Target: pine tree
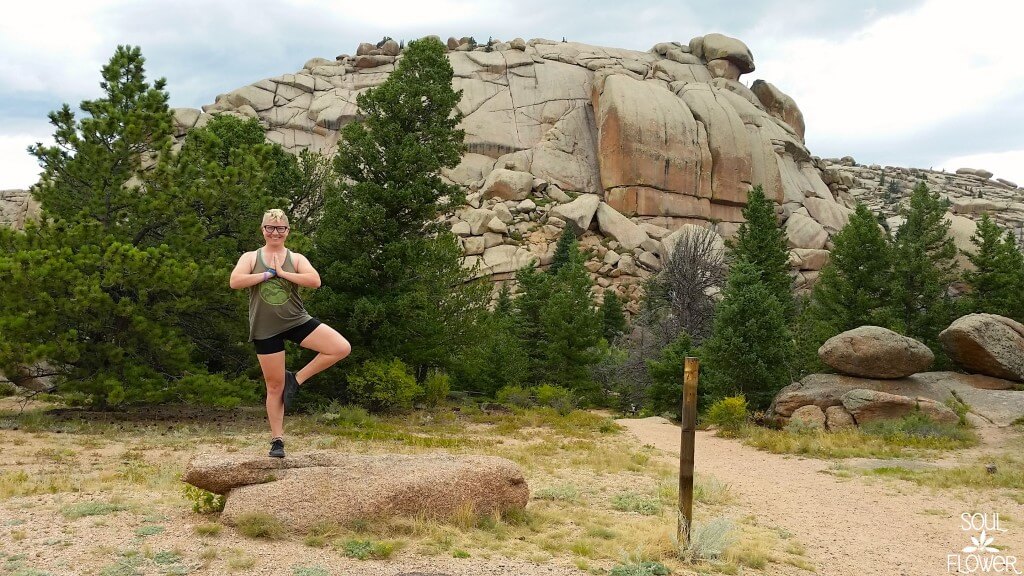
pixel 566 243
pixel 666 371
pixel 102 288
pixel 751 348
pixel 995 279
pixel 571 326
pixel 762 244
pixel 391 271
pixel 854 287
pixel 612 318
pixel 923 268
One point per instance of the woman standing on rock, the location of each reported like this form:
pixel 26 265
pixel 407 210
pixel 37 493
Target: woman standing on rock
pixel 273 275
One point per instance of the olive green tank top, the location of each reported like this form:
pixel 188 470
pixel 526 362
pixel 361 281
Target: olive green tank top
pixel 274 305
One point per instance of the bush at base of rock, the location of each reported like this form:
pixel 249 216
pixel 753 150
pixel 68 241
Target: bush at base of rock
pixel 728 414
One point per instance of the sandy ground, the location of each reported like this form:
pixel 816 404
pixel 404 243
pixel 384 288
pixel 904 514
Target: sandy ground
pixel 850 526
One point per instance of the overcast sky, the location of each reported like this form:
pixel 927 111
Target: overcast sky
pixel 922 83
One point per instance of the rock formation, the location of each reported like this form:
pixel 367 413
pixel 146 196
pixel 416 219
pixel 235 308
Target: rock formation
pixel 625 146
pixel 323 487
pixel 875 352
pixel 986 344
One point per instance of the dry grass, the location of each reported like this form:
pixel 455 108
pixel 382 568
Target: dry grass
pixel 596 499
pixel 883 442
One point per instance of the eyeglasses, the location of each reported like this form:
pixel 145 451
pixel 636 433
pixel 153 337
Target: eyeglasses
pixel 278 229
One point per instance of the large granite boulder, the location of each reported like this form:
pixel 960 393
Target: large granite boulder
pixel 779 105
pixel 302 491
pixel 580 212
pixel 992 399
pixel 875 352
pixel 871 406
pixel 987 344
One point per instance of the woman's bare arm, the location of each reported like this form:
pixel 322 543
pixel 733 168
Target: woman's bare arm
pixel 304 275
pixel 241 277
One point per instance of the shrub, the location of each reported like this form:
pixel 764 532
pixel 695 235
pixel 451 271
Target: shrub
pixel 707 541
pixel 380 385
pixel 260 525
pixel 729 414
pixel 203 501
pixel 630 502
pixel 515 396
pixel 364 549
pixel 436 388
pixel 555 397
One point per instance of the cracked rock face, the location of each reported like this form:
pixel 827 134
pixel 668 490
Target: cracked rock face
pixel 663 138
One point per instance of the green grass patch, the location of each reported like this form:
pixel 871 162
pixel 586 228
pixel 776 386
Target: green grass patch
pixel 149 530
pixel 631 502
pixel 366 549
pixel 82 509
pixel 560 493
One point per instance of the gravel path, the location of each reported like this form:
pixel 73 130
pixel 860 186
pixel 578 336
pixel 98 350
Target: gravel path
pixel 850 526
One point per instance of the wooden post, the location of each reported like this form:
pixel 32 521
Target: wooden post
pixel 689 425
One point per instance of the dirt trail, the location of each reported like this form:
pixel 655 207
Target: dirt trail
pixel 850 526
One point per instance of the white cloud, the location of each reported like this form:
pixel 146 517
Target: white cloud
pixel 17 168
pixel 1008 165
pixel 901 73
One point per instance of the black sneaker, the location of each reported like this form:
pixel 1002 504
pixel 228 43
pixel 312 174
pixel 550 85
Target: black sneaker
pixel 277 448
pixel 291 387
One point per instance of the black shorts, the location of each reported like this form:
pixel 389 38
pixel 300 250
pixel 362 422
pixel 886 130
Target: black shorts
pixel 275 343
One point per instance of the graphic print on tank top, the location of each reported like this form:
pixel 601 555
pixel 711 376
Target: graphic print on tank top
pixel 274 291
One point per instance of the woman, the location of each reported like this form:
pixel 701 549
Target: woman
pixel 273 275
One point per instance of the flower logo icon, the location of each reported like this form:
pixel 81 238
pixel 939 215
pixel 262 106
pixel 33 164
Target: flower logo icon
pixel 980 544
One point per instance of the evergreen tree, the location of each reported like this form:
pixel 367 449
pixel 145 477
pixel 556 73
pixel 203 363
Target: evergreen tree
pixel 566 243
pixel 854 287
pixel 391 271
pixel 104 287
pixel 612 318
pixel 666 371
pixel 762 244
pixel 571 327
pixel 923 268
pixel 751 348
pixel 994 283
pixel 1014 263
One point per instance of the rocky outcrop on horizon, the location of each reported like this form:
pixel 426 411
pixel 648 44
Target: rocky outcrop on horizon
pixel 970 191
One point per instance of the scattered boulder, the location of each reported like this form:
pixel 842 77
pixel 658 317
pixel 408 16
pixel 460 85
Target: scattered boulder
pixel 507 184
pixel 986 344
pixel 809 416
pixel 872 406
pixel 617 226
pixel 579 211
pixel 302 491
pixel 989 398
pixel 875 352
pixel 838 418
